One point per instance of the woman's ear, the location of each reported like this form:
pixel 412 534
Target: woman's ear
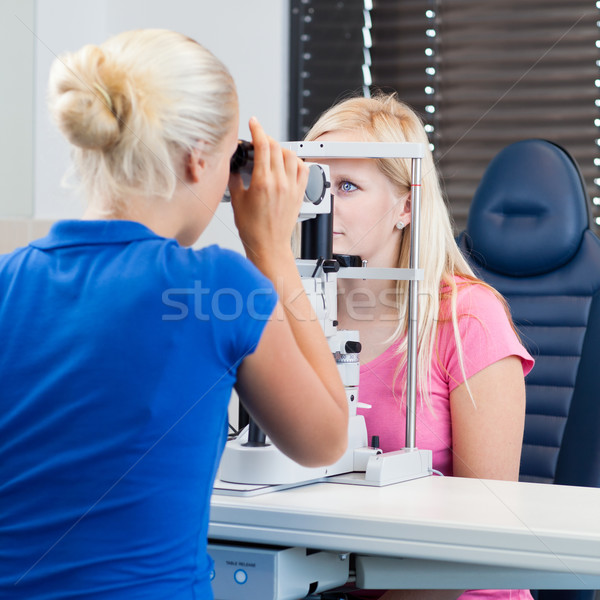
pixel 403 213
pixel 196 163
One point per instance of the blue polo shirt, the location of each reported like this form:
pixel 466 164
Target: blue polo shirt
pixel 119 350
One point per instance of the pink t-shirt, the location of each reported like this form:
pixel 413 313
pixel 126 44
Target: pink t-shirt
pixel 487 337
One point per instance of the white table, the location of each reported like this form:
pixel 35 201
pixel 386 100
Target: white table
pixel 470 533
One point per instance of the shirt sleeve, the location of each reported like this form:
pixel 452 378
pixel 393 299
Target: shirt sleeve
pixel 241 300
pixel 486 335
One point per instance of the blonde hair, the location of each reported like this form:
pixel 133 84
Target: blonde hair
pixel 383 118
pixel 133 106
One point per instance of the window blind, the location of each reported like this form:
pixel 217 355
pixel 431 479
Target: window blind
pixel 400 61
pixel 329 57
pixel 486 74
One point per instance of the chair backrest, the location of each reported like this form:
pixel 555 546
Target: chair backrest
pixel 528 235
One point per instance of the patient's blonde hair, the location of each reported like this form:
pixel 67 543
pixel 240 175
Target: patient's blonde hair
pixel 383 118
pixel 134 106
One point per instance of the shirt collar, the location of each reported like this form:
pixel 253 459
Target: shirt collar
pixel 85 233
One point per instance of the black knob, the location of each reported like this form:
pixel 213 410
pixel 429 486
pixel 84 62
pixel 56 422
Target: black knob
pixel 352 347
pixel 331 266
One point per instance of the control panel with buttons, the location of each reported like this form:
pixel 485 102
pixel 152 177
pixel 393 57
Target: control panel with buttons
pixel 274 573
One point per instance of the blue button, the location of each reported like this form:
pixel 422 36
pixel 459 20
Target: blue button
pixel 212 574
pixel 240 576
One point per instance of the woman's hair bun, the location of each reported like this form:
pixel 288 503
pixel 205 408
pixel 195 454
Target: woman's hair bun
pixel 81 101
pixel 135 107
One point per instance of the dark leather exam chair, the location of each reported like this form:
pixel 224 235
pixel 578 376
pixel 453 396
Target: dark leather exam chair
pixel 528 235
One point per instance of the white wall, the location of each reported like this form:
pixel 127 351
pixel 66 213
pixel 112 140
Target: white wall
pixel 250 37
pixel 16 107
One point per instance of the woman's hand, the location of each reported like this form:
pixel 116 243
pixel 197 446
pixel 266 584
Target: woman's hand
pixel 290 384
pixel 266 213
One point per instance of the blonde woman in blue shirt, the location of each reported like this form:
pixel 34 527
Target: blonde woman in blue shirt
pixel 121 344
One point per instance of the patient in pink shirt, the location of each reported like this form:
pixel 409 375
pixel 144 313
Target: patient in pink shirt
pixel 470 365
pixel 487 337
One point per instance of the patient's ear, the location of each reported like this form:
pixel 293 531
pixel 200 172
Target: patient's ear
pixel 403 210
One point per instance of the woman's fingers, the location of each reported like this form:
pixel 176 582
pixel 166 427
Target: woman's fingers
pixel 271 161
pixel 297 171
pixel 277 163
pixel 262 149
pixel 266 213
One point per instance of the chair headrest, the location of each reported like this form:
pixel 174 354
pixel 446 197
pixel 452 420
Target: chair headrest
pixel 530 210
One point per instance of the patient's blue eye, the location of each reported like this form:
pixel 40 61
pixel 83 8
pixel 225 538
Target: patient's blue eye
pixel 347 186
